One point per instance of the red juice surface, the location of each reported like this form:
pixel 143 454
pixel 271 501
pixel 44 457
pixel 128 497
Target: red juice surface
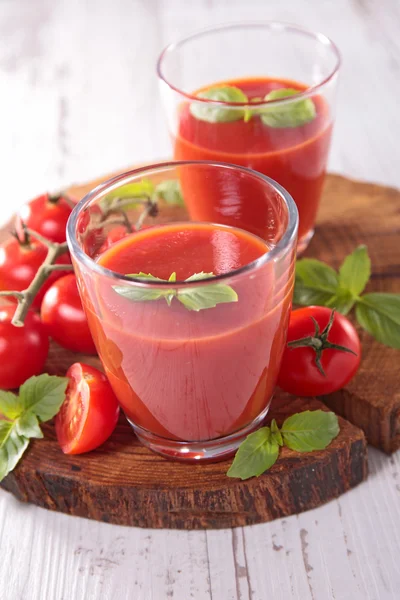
pixel 183 374
pixel 294 156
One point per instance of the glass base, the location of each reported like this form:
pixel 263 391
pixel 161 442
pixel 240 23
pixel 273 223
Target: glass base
pixel 304 241
pixel 196 452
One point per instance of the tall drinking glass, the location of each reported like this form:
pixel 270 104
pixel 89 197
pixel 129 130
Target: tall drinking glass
pixel 189 318
pixel 260 95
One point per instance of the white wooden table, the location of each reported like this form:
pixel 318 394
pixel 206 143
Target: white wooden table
pixel 79 98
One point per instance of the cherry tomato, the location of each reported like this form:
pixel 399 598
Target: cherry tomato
pixel 113 236
pixel 89 413
pixel 47 215
pixel 309 371
pixel 23 350
pixel 19 262
pixel 64 318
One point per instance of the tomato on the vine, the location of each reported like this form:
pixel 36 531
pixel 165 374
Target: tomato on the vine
pixel 114 235
pixel 47 215
pixel 23 350
pixel 64 318
pixel 19 263
pixel 322 355
pixel 89 413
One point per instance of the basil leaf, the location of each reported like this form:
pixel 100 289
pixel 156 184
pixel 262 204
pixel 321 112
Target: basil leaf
pixel 145 276
pixel 43 395
pixel 193 298
pixel 292 114
pixel 316 283
pixel 219 114
pixel 255 455
pixel 206 296
pixel 171 294
pixel 170 191
pixel 12 447
pixel 10 406
pixel 138 294
pixel 199 276
pixel 28 426
pixel 343 301
pixel 310 430
pixel 39 398
pixel 137 189
pixel 355 271
pixel 379 314
pixel 275 433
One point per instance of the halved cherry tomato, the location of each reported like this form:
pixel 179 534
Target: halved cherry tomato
pixel 89 413
pixel 64 318
pixel 19 262
pixel 23 350
pixel 47 215
pixel 323 352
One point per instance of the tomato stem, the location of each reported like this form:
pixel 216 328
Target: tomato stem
pixel 319 342
pixel 27 296
pixel 56 197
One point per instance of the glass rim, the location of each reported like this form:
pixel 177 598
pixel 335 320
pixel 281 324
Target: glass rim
pixel 284 243
pixel 277 25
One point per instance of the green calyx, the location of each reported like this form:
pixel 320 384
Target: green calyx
pixel 319 342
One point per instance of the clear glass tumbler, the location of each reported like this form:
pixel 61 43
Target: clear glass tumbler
pixel 192 356
pixel 286 137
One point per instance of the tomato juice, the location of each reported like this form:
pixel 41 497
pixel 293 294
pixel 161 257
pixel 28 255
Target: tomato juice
pixel 187 375
pixel 295 157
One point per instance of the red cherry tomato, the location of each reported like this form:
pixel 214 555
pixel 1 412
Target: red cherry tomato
pixel 89 413
pixel 299 373
pixel 19 262
pixel 113 236
pixel 64 318
pixel 47 215
pixel 23 350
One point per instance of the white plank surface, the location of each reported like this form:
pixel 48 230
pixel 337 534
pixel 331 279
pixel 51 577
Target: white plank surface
pixel 79 98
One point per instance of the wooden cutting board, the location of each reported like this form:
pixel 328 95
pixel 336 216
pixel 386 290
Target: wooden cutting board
pixel 123 482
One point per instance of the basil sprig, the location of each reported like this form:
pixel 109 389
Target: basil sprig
pixel 39 400
pixel 193 298
pixel 303 432
pixel 377 313
pixel 134 193
pixel 290 114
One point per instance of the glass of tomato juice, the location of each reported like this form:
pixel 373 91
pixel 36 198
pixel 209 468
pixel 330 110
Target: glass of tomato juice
pixel 260 95
pixel 189 318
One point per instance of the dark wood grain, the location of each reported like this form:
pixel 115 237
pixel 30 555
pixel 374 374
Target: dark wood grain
pixel 122 482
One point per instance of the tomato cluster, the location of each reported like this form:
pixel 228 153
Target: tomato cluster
pixel 90 411
pixel 62 317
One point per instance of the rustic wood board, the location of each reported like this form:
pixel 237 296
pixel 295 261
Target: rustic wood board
pixel 354 213
pixel 124 483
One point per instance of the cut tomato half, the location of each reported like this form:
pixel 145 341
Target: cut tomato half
pixel 89 413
